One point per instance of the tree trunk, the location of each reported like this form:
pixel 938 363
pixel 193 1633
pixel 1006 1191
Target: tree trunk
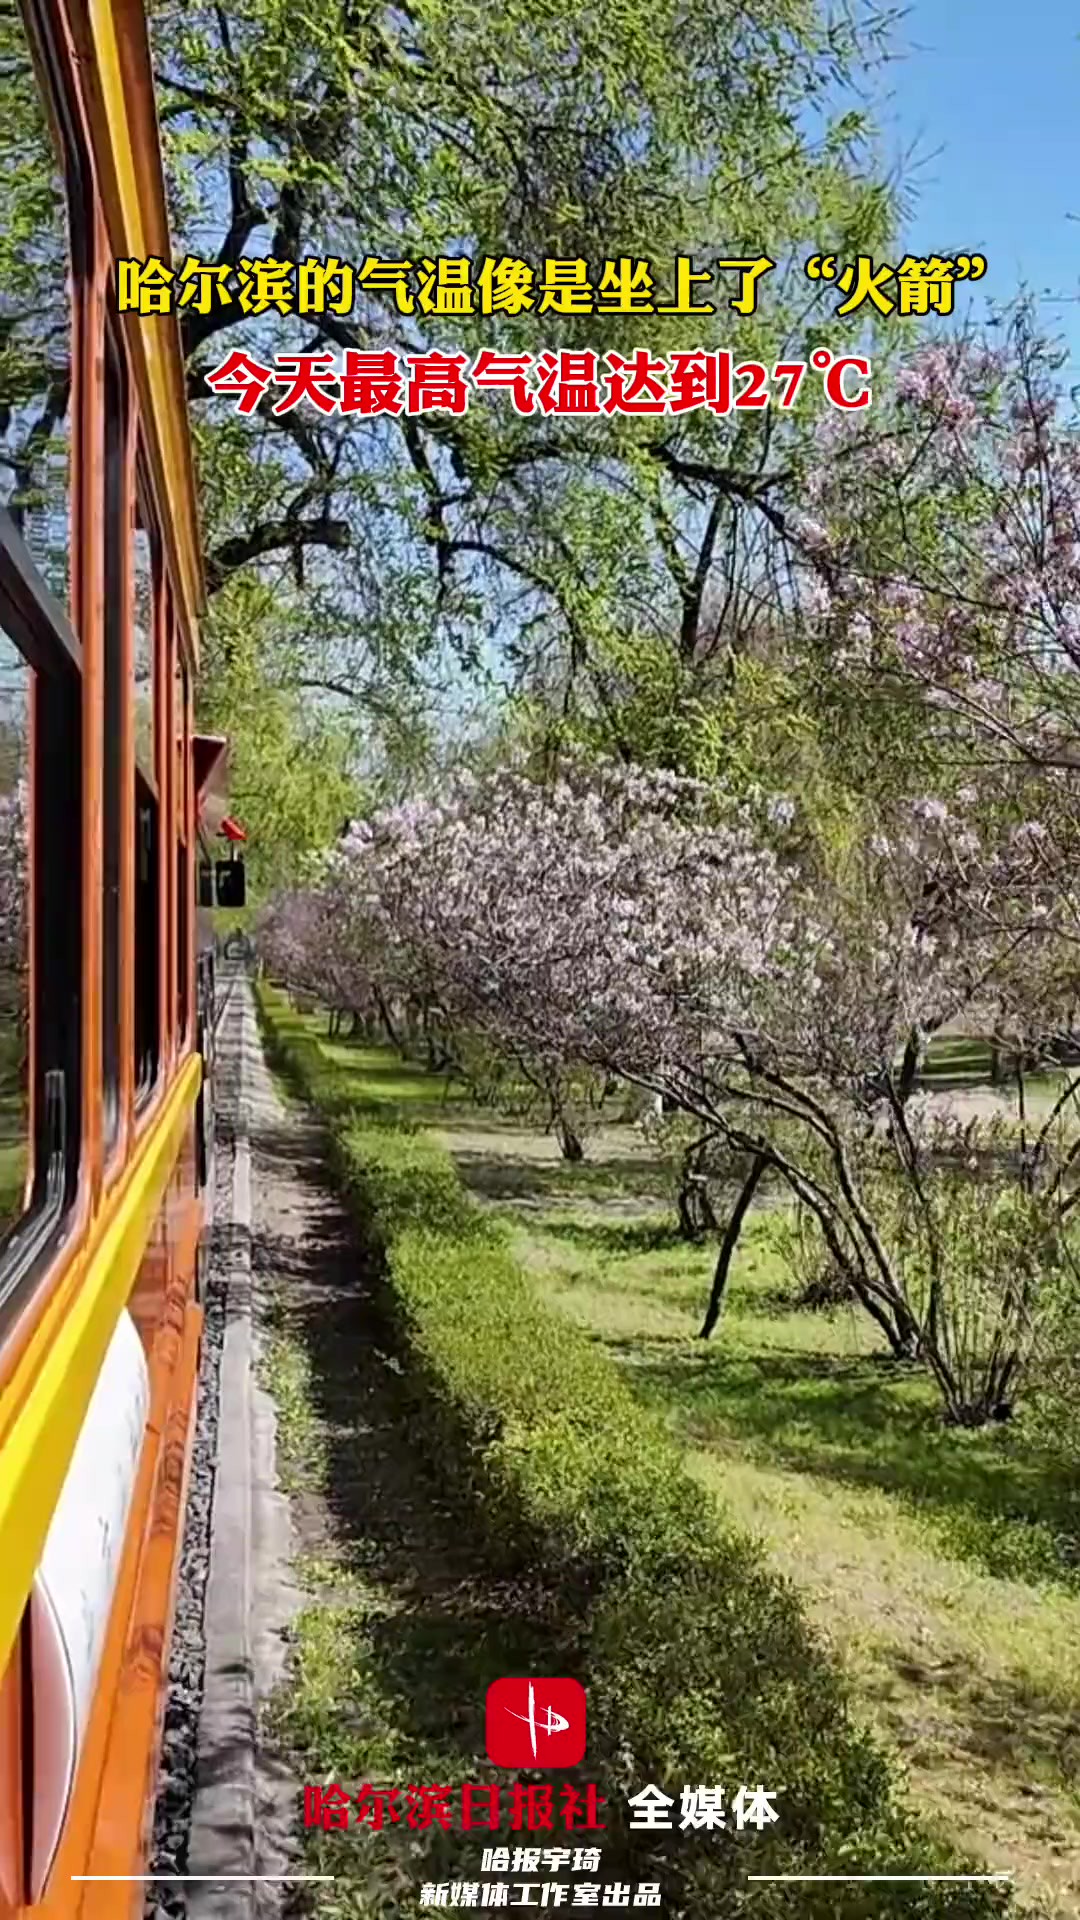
pixel 570 1145
pixel 436 1051
pixel 909 1068
pixel 696 1217
pixel 729 1244
pixel 387 1019
pixel 900 1330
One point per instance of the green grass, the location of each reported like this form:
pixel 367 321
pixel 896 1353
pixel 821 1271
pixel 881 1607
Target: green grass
pixel 813 1391
pixel 285 1370
pixel 956 1055
pixel 942 1566
pixel 14 1125
pixel 13 1161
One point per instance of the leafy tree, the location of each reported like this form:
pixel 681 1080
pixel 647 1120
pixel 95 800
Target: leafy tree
pixel 619 570
pixel 291 775
pixel 519 131
pixel 35 370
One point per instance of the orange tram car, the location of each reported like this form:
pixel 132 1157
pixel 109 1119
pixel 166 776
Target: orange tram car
pixel 103 1106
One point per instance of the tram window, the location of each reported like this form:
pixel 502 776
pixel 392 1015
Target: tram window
pixel 146 565
pixel 40 914
pixel 35 364
pixel 148 611
pixel 15 695
pixel 116 526
pixel 180 723
pixel 183 923
pixel 147 952
pixel 41 921
pixel 184 876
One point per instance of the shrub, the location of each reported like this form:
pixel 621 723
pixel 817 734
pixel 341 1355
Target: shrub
pixel 817 1281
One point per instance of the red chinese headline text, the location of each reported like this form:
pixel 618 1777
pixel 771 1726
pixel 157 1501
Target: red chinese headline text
pixel 567 381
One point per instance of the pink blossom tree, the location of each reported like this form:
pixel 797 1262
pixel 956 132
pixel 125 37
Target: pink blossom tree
pixel 321 942
pixel 639 925
pixel 938 548
pixel 303 940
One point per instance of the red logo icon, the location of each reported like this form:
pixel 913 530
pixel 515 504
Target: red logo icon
pixel 536 1723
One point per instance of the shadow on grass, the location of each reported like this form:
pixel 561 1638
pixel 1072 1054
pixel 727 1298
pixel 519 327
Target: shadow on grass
pixel 626 1237
pixel 413 1083
pixel 681 1283
pixel 498 1177
pixel 994 1497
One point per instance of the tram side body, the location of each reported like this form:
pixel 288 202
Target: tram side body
pixel 99 1347
pixel 84 1687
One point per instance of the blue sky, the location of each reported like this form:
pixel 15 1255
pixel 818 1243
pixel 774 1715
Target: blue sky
pixel 988 97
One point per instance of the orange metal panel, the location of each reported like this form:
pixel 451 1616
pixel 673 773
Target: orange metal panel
pixel 11 1777
pixel 120 1837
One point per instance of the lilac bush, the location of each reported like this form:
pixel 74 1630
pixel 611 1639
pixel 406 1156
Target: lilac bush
pixel 941 551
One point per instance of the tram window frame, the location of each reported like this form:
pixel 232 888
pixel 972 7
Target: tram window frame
pixel 184 875
pixel 116 525
pixel 43 632
pixel 148 913
pixel 37 626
